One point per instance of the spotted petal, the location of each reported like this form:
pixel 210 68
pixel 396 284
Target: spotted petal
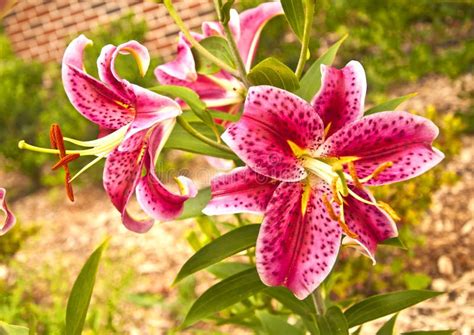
pixel 296 250
pixel 252 22
pixel 371 224
pixel 240 191
pixel 154 198
pixel 398 137
pixel 341 97
pixel 9 219
pixel 93 99
pixel 271 118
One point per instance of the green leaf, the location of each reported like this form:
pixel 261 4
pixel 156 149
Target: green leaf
pixel 357 331
pixel 390 105
pixel 277 325
pixel 416 281
pixel 395 242
pixel 227 245
pixel 225 11
pixel 226 269
pixel 81 293
pixel 333 322
pixel 194 206
pixel 6 329
pixel 283 295
pixel 219 47
pixel 271 71
pixel 224 294
pixel 311 81
pixel 294 13
pixel 192 100
pixel 191 117
pixel 389 327
pixel 180 139
pixel 384 304
pixel 431 332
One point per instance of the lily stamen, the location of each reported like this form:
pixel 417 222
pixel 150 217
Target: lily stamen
pixel 353 173
pixel 335 191
pixel 65 160
pixel 57 142
pixel 378 170
pixel 390 211
pixel 329 208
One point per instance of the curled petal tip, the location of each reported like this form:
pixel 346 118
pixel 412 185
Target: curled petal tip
pixel 9 220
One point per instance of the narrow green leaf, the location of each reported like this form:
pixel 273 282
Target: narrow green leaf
pixel 227 245
pixel 333 322
pixel 271 71
pixel 219 47
pixel 208 227
pixel 431 332
pixel 191 117
pixel 225 11
pixel 284 296
pixel 294 13
pixel 192 100
pixel 389 327
pixel 390 105
pixel 81 293
pixel 180 139
pixel 6 329
pixel 194 206
pixel 277 325
pixel 384 304
pixel 224 294
pixel 311 81
pixel 226 269
pixel 395 242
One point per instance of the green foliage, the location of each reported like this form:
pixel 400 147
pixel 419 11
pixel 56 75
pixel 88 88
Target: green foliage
pixel 10 244
pixel 271 71
pixel 32 97
pixel 219 47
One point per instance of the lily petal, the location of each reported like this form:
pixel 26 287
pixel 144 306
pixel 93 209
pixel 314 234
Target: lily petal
pixel 155 199
pixel 240 191
pixel 297 250
pixel 398 137
pixel 9 220
pixel 151 108
pixel 90 97
pixel 271 118
pixel 371 224
pixel 341 97
pixel 252 22
pixel 183 67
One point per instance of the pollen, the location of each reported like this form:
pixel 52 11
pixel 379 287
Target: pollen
pixel 57 142
pixel 334 191
pixel 329 208
pixel 346 229
pixel 390 211
pixel 353 173
pixel 381 168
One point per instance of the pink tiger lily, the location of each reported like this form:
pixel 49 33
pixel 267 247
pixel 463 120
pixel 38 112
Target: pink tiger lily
pixel 9 219
pixel 219 91
pixel 307 168
pixel 134 124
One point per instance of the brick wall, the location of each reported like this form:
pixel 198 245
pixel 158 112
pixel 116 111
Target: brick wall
pixel 40 29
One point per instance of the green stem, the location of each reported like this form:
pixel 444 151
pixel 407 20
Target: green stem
pixel 179 22
pixel 186 126
pixel 318 301
pixel 308 22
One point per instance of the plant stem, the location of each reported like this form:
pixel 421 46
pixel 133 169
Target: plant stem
pixel 233 45
pixel 186 126
pixel 308 22
pixel 179 22
pixel 318 301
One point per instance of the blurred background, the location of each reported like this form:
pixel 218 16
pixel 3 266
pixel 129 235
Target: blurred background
pixel 405 46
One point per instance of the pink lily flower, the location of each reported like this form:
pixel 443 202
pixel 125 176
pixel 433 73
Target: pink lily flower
pixel 9 219
pixel 219 91
pixel 307 168
pixel 134 125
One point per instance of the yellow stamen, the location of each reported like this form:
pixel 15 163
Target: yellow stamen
pixel 343 225
pixel 329 208
pixel 353 173
pixel 382 167
pixel 326 130
pixel 390 211
pixel 334 191
pixel 305 198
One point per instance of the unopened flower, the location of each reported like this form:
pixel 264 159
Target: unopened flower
pixel 9 219
pixel 220 91
pixel 134 125
pixel 307 168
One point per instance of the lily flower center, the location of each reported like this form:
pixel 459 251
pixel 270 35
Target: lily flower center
pixel 331 170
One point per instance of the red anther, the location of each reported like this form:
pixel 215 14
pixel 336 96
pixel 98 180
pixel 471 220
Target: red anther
pixel 65 160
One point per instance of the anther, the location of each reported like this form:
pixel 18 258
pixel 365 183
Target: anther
pixel 329 208
pixel 390 211
pixel 353 173
pixel 65 160
pixel 346 229
pixel 334 190
pixel 381 168
pixel 57 142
